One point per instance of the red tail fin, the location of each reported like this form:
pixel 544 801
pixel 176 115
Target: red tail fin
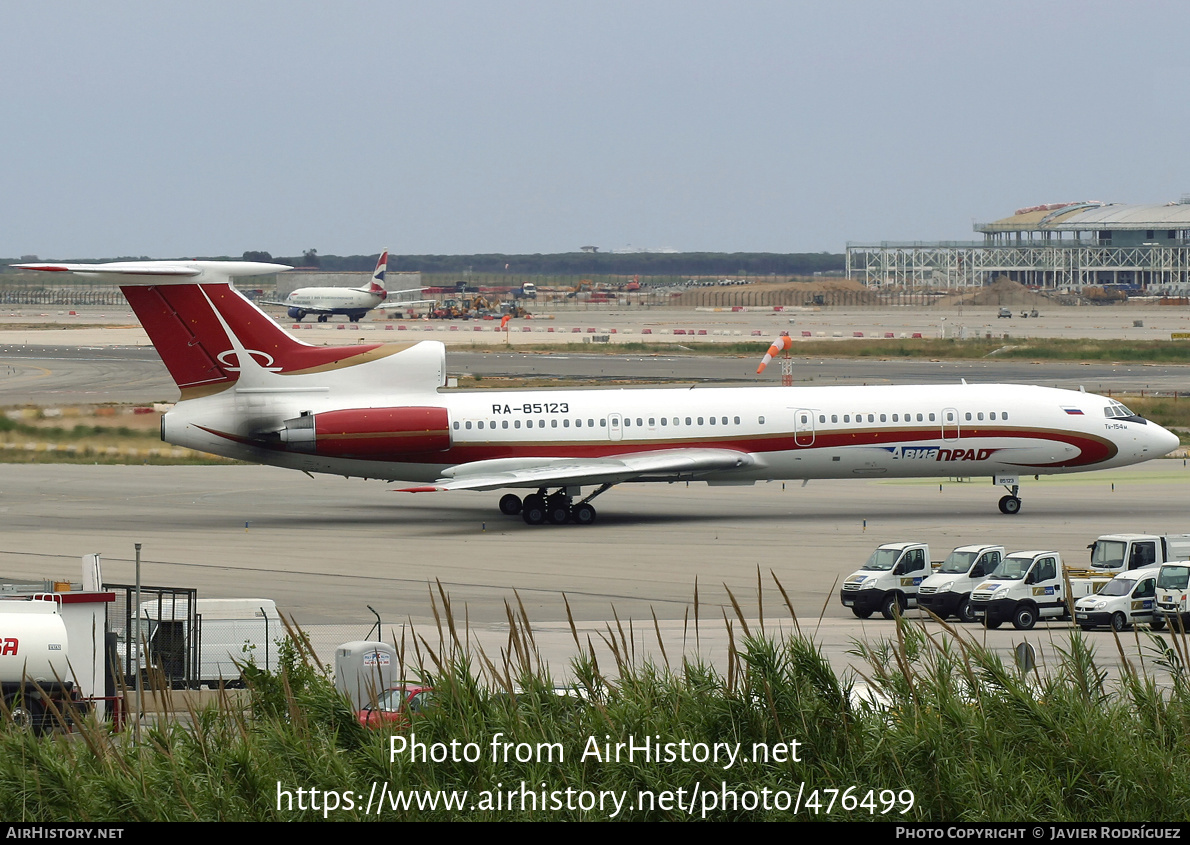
pixel 204 333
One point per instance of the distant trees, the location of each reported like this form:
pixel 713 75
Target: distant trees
pixel 581 263
pixel 606 263
pixel 309 260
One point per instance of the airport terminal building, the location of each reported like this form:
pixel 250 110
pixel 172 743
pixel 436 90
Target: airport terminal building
pixel 1136 248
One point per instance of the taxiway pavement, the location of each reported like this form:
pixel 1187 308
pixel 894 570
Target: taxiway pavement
pixel 327 548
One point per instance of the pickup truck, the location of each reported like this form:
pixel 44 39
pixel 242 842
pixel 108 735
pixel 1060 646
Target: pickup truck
pixel 1173 590
pixel 1025 587
pixel 888 581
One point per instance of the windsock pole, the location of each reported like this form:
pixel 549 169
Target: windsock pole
pixel 783 343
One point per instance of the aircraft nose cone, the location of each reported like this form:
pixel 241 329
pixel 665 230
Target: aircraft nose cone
pixel 1167 441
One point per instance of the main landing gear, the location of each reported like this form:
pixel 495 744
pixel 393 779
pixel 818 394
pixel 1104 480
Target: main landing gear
pixel 1011 504
pixel 555 508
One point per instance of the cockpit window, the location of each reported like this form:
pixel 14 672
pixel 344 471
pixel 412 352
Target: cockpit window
pixel 1114 409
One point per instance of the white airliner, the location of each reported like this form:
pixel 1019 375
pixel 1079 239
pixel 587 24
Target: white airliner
pixel 249 390
pixel 354 303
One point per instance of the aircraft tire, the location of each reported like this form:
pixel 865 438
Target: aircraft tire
pixel 533 514
pixel 583 514
pixel 1010 505
pixel 510 504
pixel 322 318
pixel 559 513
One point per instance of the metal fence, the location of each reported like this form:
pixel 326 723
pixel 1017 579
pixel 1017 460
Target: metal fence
pixel 161 639
pixel 60 296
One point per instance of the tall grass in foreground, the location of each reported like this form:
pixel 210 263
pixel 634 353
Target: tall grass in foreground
pixel 945 717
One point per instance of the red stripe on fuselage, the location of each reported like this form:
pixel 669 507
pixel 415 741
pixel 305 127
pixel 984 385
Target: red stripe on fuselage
pixel 1092 449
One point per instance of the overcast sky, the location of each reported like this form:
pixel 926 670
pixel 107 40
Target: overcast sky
pixel 458 126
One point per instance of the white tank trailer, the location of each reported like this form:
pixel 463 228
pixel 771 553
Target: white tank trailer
pixel 35 676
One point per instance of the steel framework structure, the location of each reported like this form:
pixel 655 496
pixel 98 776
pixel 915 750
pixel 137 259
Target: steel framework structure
pixel 952 264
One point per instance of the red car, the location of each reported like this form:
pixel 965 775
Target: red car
pixel 396 705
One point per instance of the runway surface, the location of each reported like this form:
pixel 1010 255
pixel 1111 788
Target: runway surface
pixel 47 375
pixel 325 549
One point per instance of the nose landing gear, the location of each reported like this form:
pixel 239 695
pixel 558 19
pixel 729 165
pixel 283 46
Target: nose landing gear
pixel 1011 504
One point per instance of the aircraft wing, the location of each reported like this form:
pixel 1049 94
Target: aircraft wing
pixel 663 464
pixel 396 306
pixel 315 309
pixel 309 309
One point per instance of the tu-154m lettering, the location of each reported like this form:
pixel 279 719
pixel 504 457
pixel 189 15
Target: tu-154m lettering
pixel 251 391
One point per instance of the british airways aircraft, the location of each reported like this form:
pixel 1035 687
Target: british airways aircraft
pixel 251 391
pixel 353 303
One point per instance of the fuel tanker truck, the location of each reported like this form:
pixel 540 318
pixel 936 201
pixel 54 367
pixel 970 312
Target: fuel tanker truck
pixel 34 671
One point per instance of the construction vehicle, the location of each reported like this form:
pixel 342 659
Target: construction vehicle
pixel 464 308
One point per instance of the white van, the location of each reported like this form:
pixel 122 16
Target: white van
pixel 1126 600
pixel 228 633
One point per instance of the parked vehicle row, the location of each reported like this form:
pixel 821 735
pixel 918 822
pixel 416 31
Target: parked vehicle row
pixel 1121 587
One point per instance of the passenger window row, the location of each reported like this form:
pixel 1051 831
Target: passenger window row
pixel 666 422
pixel 970 416
pixel 567 422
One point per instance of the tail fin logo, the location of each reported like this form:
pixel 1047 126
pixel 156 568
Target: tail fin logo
pixel 378 274
pixel 230 360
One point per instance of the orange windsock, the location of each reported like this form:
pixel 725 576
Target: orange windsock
pixel 504 320
pixel 782 343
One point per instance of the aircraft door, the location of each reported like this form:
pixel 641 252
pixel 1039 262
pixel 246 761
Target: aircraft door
pixel 615 429
pixel 950 424
pixel 803 427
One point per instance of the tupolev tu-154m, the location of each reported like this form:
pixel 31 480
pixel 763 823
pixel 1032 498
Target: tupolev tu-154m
pixel 251 391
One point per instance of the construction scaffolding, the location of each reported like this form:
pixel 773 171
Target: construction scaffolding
pixel 1055 246
pixel 946 265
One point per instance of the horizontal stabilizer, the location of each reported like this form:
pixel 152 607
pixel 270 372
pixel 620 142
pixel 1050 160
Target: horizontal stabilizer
pixel 160 272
